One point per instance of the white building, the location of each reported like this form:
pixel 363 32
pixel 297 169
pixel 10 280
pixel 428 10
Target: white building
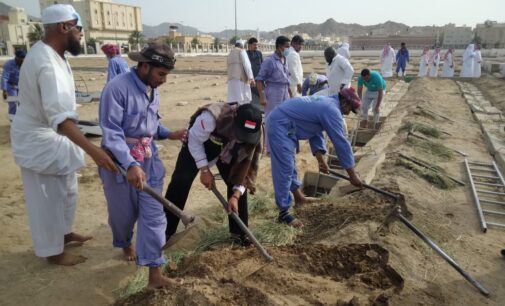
pixel 457 37
pixel 104 21
pixel 491 34
pixel 14 31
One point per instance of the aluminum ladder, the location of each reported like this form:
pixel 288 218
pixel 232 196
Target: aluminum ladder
pixel 488 189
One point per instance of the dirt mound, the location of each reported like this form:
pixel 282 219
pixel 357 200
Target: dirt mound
pixel 324 219
pixel 300 274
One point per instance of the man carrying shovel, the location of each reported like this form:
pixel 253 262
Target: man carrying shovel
pixel 228 136
pixel 130 122
pixel 306 118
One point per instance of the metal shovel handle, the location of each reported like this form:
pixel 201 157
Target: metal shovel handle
pixel 185 218
pixel 242 226
pixel 381 191
pixel 440 252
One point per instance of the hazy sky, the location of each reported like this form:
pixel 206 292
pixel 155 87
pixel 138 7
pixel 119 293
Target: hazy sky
pixel 267 15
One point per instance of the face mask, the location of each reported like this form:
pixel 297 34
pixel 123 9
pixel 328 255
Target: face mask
pixel 286 52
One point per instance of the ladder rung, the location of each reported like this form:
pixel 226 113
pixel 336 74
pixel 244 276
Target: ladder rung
pixel 492 202
pixel 495 224
pixel 488 184
pixel 492 212
pixel 490 192
pixel 487 177
pixel 480 164
pixel 486 170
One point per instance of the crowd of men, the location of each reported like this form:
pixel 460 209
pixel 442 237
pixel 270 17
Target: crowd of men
pixel 49 148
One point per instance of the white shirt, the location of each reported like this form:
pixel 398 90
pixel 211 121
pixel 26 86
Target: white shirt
pixel 238 91
pixel 295 67
pixel 198 134
pixel 47 98
pixel 339 72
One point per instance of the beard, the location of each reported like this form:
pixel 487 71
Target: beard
pixel 74 46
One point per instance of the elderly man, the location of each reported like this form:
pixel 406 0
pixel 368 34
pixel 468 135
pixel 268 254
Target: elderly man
pixel 46 142
pixel 314 83
pixel 338 70
pixel 117 64
pixel 10 79
pixel 375 91
pixel 130 123
pixel 295 66
pixel 255 58
pixel 226 136
pixel 307 118
pixel 240 75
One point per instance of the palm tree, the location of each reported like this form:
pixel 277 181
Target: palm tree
pixel 36 34
pixel 195 42
pixel 136 39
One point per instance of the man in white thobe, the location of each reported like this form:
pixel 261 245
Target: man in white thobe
pixel 46 142
pixel 477 61
pixel 338 70
pixel 240 75
pixel 295 66
pixel 387 60
pixel 468 62
pixel 434 63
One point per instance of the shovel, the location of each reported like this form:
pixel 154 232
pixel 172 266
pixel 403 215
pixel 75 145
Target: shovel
pixel 396 213
pixel 381 191
pixel 242 226
pixel 185 218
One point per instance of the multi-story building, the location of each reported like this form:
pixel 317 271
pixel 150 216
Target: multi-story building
pixel 378 42
pixel 14 31
pixel 186 41
pixel 457 37
pixel 490 34
pixel 104 21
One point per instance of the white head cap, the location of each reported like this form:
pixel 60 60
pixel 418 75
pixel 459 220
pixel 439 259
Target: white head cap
pixel 239 42
pixel 60 13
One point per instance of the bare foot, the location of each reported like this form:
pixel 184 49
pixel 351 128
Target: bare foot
pixel 296 223
pixel 129 253
pixel 157 280
pixel 306 200
pixel 66 259
pixel 76 238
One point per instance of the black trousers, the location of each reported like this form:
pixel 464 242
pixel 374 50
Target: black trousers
pixel 182 179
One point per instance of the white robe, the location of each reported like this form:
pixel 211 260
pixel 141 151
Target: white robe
pixel 467 67
pixel 239 91
pixel 477 63
pixel 344 51
pixel 447 71
pixel 339 72
pixel 387 63
pixel 423 66
pixel 295 71
pixel 434 66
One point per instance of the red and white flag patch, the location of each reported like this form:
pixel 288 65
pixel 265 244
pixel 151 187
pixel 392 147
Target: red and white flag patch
pixel 250 124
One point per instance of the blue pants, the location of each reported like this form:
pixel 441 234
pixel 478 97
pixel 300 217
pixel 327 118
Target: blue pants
pixel 126 205
pixel 401 66
pixel 12 108
pixel 283 145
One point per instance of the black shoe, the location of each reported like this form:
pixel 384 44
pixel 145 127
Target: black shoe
pixel 240 240
pixel 503 252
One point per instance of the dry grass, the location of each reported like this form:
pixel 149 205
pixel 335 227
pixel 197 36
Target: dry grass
pixel 421 128
pixel 432 148
pixel 430 176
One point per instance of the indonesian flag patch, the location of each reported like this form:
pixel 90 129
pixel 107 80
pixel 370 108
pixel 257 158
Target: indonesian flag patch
pixel 250 124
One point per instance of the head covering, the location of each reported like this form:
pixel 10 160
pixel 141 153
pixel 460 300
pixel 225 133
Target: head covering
pixel 449 51
pixel 426 50
pixel 20 53
pixel 155 53
pixel 247 124
pixel 385 50
pixel 109 49
pixel 57 13
pixel 312 79
pixel 344 50
pixel 350 95
pixel 239 43
pixel 435 53
pixel 468 51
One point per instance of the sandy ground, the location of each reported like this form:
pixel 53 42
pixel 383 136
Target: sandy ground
pixel 416 276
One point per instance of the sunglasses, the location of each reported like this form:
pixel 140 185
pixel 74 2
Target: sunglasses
pixel 79 28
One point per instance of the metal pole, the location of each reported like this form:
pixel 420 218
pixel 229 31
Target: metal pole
pixel 482 221
pixel 236 19
pixel 440 252
pixel 242 226
pixel 381 191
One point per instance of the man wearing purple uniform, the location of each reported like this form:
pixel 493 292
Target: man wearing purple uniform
pixel 117 64
pixel 130 122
